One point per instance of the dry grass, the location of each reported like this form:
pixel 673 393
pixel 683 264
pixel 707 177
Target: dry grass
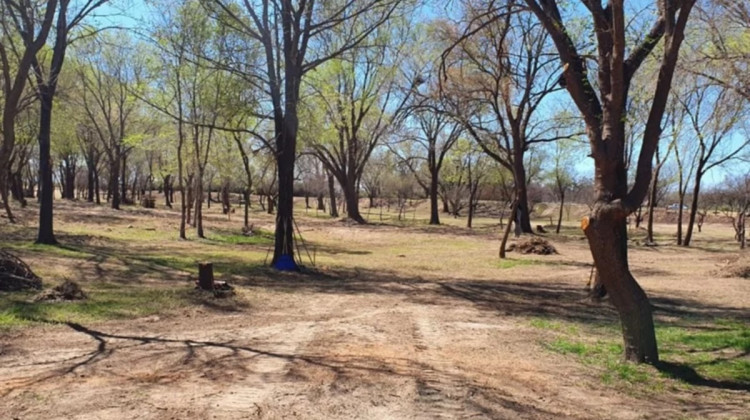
pixel 429 311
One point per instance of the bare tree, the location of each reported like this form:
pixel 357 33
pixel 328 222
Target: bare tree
pixel 295 37
pixel 720 54
pixel 603 111
pixel 434 135
pixel 497 78
pixel 712 114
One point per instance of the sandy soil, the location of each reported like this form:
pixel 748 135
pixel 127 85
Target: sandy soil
pixel 406 335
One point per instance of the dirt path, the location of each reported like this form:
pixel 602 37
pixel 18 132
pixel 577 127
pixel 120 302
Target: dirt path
pixel 403 323
pixel 415 354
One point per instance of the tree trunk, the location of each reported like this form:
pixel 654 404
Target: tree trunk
pixel 606 231
pixel 651 205
pixel 46 233
pixel 506 233
pixel 226 206
pixel 6 201
pixel 96 186
pixel 69 172
pixel 679 218
pixel 123 180
pixel 90 183
pixel 167 189
pixel 351 196
pixel 284 235
pixel 332 196
pixel 16 187
pixel 321 203
pixel 198 216
pixel 693 207
pixel 246 193
pixel 560 215
pixel 114 180
pixel 434 214
pixel 519 172
pixel 206 276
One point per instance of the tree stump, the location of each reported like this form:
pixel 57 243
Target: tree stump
pixel 148 202
pixel 206 276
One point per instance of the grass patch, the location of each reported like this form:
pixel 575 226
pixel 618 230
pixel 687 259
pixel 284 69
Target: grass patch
pixel 511 263
pixel 607 356
pixel 51 250
pixel 17 309
pixel 181 263
pixel 716 352
pixel 259 237
pixel 547 324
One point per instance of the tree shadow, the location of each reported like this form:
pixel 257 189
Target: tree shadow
pixel 439 392
pixel 687 374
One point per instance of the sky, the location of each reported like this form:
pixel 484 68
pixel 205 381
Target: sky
pixel 132 14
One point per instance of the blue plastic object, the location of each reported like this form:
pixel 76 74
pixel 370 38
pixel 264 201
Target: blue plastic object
pixel 286 263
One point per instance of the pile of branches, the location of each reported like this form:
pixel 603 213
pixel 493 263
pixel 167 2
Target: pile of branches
pixel 534 245
pixel 16 275
pixel 68 290
pixel 739 267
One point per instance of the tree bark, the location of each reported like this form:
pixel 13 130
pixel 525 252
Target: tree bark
pixel 651 205
pixel 351 196
pixel 560 215
pixel 198 216
pixel 46 233
pixel 90 182
pixel 114 178
pixel 123 179
pixel 284 235
pixel 693 206
pixel 508 227
pixel 434 213
pixel 524 222
pixel 606 231
pixel 246 194
pixel 206 276
pixel 321 203
pixel 332 196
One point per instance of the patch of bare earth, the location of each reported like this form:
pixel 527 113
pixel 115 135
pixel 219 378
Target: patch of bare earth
pixel 398 328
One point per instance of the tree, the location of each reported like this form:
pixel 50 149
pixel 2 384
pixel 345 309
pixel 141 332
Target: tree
pixel 735 197
pixel 363 103
pixel 721 53
pixel 602 106
pixel 434 134
pixel 295 38
pixel 70 15
pixel 107 77
pixel 712 114
pixel 562 176
pixel 498 79
pixel 202 99
pixel 18 21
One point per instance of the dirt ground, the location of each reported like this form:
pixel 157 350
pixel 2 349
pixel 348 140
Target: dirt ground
pixel 396 322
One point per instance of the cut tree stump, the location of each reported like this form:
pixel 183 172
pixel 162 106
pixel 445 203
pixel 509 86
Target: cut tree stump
pixel 206 276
